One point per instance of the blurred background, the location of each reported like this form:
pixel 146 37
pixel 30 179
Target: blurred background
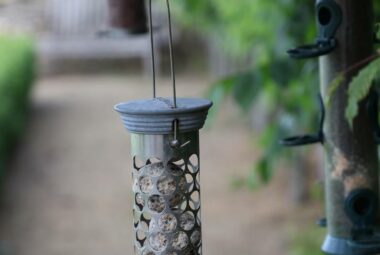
pixel 64 155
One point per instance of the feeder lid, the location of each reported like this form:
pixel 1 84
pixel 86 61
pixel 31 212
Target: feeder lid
pixel 156 115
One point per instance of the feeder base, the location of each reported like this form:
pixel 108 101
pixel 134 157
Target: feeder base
pixel 337 246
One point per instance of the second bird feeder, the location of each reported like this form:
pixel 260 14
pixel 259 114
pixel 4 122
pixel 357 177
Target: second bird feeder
pixel 127 16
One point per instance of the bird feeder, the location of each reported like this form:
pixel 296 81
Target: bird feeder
pixel 128 16
pixel 351 172
pixel 166 170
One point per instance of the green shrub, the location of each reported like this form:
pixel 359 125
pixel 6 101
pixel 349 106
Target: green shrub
pixel 16 78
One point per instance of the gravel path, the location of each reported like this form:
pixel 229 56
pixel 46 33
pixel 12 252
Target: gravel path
pixel 68 187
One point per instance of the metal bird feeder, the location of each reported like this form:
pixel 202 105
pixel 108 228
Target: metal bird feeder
pixel 351 172
pixel 127 16
pixel 166 177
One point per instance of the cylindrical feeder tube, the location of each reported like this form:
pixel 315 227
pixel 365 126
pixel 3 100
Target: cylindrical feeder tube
pixel 351 153
pixel 128 16
pixel 166 177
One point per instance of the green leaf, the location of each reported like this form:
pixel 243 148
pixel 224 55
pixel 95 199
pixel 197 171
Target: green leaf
pixel 281 72
pixel 360 87
pixel 218 91
pixel 264 171
pixel 245 89
pixel 377 29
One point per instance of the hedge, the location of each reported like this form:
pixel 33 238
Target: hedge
pixel 16 79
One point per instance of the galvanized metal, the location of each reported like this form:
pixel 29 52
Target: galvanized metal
pixel 167 217
pixel 166 178
pixel 152 55
pixel 336 245
pixel 172 66
pixel 166 174
pixel 171 52
pixel 156 115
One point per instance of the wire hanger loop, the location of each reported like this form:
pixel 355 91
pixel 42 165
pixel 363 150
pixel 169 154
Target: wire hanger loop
pixel 172 66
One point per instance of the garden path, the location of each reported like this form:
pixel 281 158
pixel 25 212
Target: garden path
pixel 68 187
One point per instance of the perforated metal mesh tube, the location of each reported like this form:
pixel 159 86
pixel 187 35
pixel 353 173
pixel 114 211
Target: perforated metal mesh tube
pixel 166 187
pixel 166 174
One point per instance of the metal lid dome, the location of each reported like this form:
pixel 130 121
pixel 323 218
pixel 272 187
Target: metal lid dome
pixel 156 116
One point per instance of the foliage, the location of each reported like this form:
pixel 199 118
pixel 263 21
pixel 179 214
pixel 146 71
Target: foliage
pixel 16 76
pixel 359 88
pixel 262 31
pixel 377 30
pixel 251 26
pixel 361 84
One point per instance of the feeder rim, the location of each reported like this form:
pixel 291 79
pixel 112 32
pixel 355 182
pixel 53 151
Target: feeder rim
pixel 163 106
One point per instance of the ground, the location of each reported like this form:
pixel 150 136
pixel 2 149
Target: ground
pixel 68 188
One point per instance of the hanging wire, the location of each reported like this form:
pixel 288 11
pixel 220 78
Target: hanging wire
pixel 171 55
pixel 172 67
pixel 152 48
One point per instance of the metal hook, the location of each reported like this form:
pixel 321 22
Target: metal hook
pixel 329 17
pixel 172 67
pixel 308 139
pixel 175 143
pixel 322 222
pixel 320 48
